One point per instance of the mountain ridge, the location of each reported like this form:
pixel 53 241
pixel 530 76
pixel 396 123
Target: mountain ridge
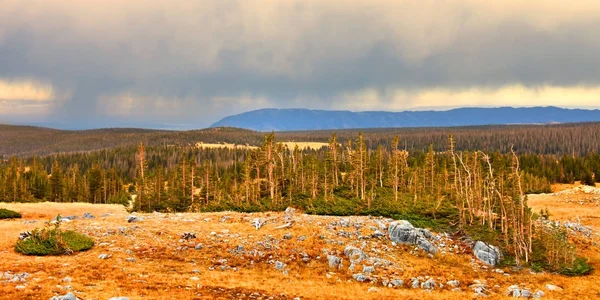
pixel 290 119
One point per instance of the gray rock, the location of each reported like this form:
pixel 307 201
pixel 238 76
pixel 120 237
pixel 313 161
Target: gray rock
pixel 104 256
pixel 525 293
pixel 538 295
pixel 552 287
pixel 279 265
pixel 405 233
pixel 415 283
pixel 397 283
pixel 88 215
pixel 453 283
pixel 360 277
pixel 68 296
pixel 488 254
pixel 334 261
pixel 132 218
pixel 430 284
pixel 302 238
pixel 199 247
pixel 355 254
pixel 368 269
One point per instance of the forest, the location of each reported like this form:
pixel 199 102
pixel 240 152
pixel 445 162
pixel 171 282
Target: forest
pixel 478 192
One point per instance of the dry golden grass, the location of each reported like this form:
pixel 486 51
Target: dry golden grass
pixel 163 271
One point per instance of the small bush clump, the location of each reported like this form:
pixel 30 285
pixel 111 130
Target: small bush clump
pixel 53 241
pixel 9 214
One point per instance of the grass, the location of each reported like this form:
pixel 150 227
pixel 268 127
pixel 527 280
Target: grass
pixel 54 241
pixel 9 214
pixel 162 271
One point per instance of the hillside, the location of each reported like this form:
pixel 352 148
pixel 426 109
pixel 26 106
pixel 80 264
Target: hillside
pixel 556 139
pixel 305 119
pixel 230 259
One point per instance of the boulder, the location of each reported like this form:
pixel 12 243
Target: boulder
pixel 488 254
pixel 334 261
pixel 355 254
pixel 405 233
pixel 68 296
pixel 88 215
pixel 132 218
pixel 360 277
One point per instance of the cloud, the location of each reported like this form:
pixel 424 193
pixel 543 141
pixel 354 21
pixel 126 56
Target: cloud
pixel 25 90
pixel 510 95
pixel 156 60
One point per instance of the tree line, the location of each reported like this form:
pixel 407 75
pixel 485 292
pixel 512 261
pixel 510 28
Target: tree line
pixel 461 189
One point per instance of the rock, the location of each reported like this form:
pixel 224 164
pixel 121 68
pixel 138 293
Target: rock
pixel 359 277
pixel 488 254
pixel 279 265
pixel 453 283
pixel 525 293
pixel 132 218
pixel 552 287
pixel 199 247
pixel 25 235
pixel 68 296
pixel 302 238
pixel 20 287
pixel 104 256
pixel 373 290
pixel 430 284
pixel 119 298
pixel 67 279
pixel 397 283
pixel 188 235
pixel 88 215
pixel 405 233
pixel 378 234
pixel 287 236
pixel 130 259
pixel 355 254
pixel 368 269
pixel 415 283
pixel 334 261
pixel 538 295
pixel 290 211
pixel 258 223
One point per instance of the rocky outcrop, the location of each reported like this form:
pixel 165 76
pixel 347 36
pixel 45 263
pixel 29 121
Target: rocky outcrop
pixel 488 254
pixel 405 233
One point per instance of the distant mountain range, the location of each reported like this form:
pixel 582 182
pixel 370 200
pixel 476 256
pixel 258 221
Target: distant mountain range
pixel 306 119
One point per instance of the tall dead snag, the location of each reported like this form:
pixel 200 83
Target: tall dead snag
pixel 522 230
pixel 192 188
pixel 361 164
pixel 395 166
pixel 141 164
pixel 333 155
pixel 268 149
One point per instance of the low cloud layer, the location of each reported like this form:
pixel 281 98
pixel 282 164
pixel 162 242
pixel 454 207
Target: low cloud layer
pixel 195 62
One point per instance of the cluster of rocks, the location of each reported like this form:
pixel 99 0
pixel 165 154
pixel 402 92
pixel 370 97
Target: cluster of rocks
pixel 71 296
pixel 404 232
pixel 517 292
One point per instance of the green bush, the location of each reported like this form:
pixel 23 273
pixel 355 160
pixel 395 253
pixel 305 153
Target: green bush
pixel 579 267
pixel 54 241
pixel 9 214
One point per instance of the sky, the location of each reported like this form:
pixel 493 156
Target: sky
pixel 145 63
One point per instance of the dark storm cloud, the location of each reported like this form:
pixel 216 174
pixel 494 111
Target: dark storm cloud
pixel 198 61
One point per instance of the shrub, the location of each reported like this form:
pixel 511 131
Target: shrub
pixel 53 241
pixel 9 214
pixel 579 267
